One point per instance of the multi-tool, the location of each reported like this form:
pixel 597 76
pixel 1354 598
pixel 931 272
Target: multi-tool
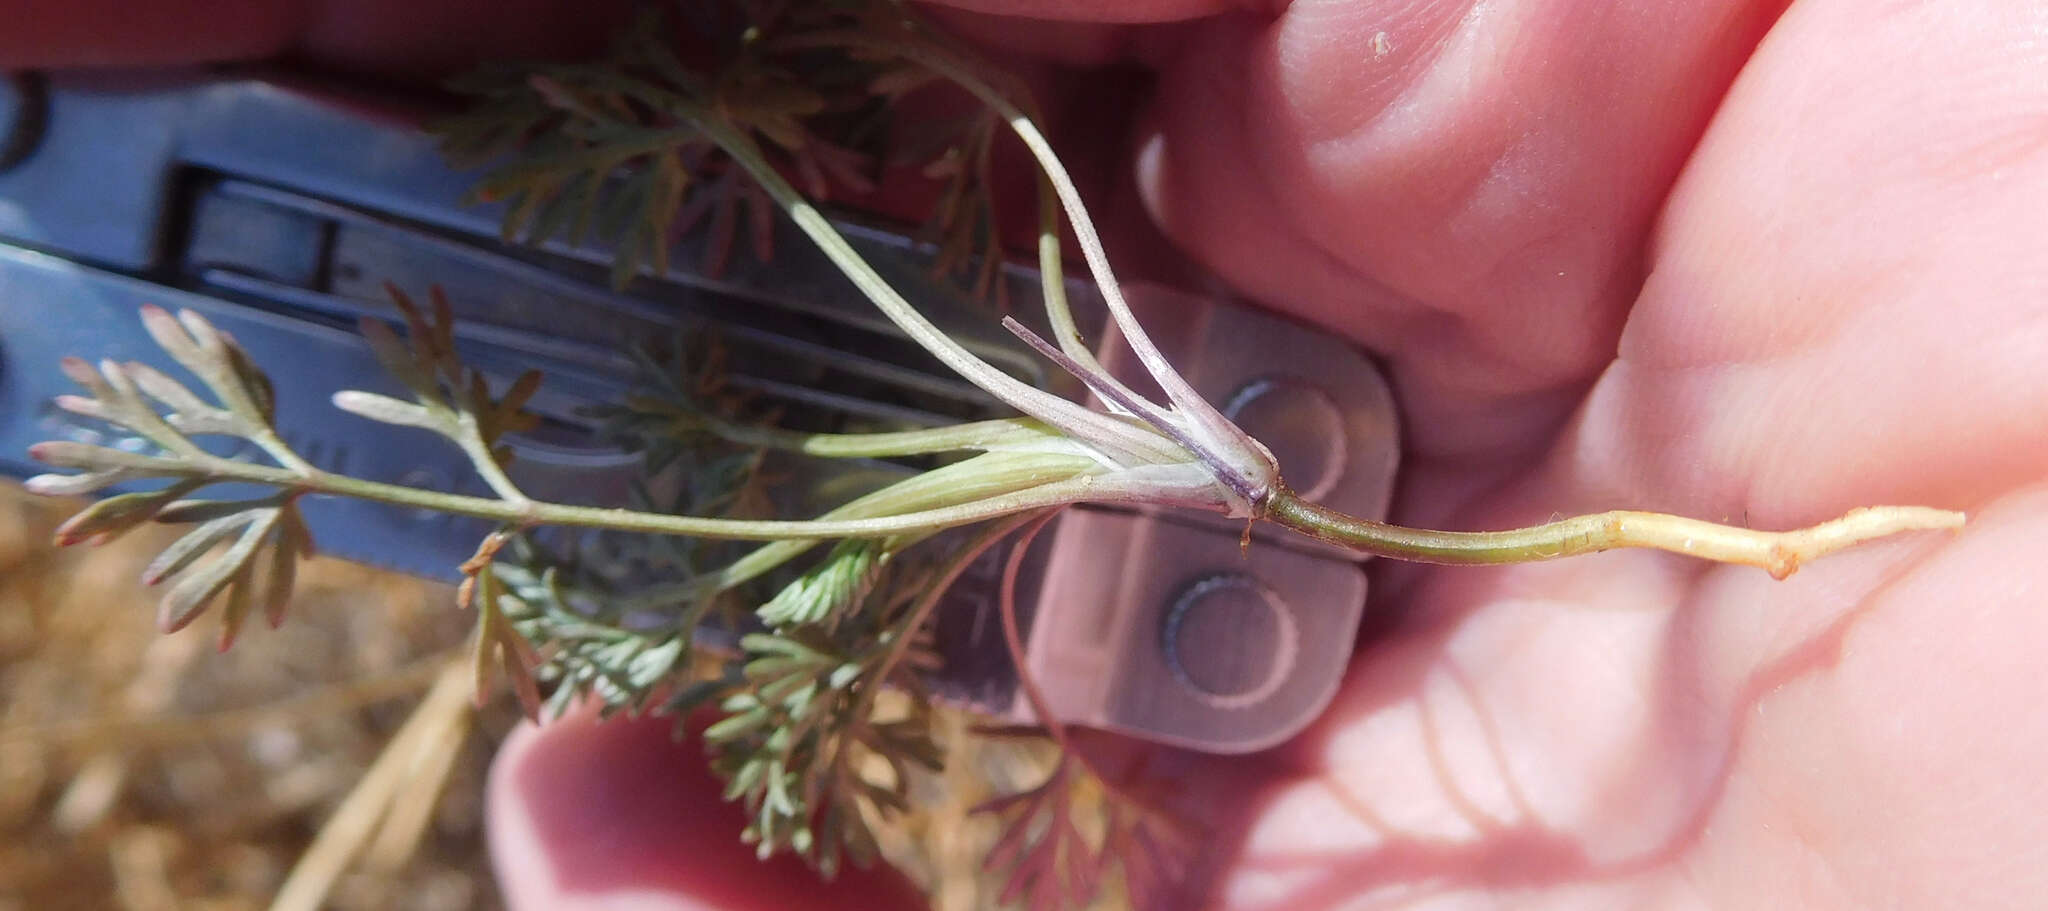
pixel 279 212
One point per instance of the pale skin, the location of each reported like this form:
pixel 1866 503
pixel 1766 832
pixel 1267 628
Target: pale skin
pixel 1605 271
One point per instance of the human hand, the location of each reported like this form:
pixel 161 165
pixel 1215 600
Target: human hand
pixel 1605 272
pixel 1839 300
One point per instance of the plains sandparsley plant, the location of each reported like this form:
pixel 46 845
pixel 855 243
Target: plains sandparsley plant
pixel 776 108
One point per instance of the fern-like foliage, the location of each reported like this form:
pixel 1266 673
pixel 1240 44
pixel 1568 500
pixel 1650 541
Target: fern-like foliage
pixel 798 722
pixel 597 649
pixel 965 229
pixel 254 544
pixel 449 398
pixel 587 150
pixel 837 585
pixel 1050 857
pixel 248 549
pixel 800 729
pixel 801 664
pixel 590 151
pixel 677 402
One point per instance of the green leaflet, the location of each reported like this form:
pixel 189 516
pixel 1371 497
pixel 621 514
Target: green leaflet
pixel 837 584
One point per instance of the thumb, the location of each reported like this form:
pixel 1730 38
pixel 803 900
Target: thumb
pixel 618 814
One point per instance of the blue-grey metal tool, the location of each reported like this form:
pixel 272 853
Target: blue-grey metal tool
pixel 279 212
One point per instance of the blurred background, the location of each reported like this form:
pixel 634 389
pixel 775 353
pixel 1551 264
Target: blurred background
pixel 307 767
pixel 147 772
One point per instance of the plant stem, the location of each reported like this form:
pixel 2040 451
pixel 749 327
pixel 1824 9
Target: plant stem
pixel 1239 463
pixel 480 455
pixel 1006 611
pixel 1070 484
pixel 1120 440
pixel 1000 434
pixel 1779 552
pixel 1013 482
pixel 948 485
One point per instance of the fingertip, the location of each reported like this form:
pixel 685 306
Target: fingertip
pixel 586 814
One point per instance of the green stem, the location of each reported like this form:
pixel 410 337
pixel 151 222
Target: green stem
pixel 1028 481
pixel 1053 177
pixel 1074 487
pixel 1781 553
pixel 949 485
pixel 1052 280
pixel 1001 434
pixel 1240 464
pixel 481 456
pixel 1120 440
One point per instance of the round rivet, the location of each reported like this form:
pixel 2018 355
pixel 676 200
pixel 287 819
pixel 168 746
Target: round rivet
pixel 1231 639
pixel 1301 424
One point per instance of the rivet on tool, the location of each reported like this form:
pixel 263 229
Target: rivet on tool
pixel 1231 638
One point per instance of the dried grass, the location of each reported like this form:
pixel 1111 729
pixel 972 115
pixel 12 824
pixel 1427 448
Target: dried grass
pixel 145 772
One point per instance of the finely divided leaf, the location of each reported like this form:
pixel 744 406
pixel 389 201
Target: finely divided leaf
pixel 837 584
